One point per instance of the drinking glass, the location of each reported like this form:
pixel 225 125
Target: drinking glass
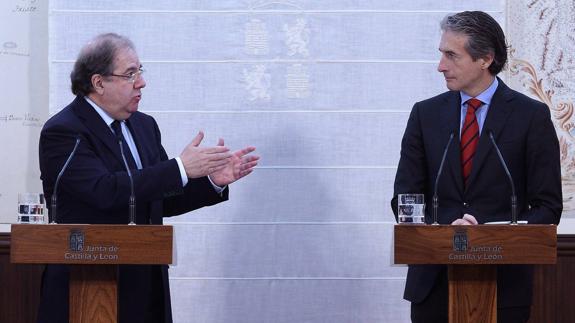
pixel 411 208
pixel 31 208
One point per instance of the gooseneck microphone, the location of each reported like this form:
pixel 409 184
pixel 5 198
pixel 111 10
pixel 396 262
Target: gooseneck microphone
pixel 54 204
pixel 513 195
pixel 132 202
pixel 435 198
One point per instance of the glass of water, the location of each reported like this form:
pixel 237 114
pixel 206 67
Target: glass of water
pixel 411 208
pixel 31 208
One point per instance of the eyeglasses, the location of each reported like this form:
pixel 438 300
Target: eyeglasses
pixel 131 77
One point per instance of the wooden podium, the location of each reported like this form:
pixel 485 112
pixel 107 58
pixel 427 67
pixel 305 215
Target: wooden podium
pixel 472 254
pixel 94 253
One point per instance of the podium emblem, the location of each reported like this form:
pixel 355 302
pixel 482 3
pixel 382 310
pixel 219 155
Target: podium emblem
pixel 76 240
pixel 460 241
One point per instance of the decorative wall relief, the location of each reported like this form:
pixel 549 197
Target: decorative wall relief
pixel 274 47
pixel 257 83
pixel 297 37
pixel 256 37
pixel 542 65
pixel 562 115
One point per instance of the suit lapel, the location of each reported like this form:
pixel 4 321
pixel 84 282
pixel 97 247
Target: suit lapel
pixel 138 132
pixel 450 115
pixel 498 114
pixel 97 126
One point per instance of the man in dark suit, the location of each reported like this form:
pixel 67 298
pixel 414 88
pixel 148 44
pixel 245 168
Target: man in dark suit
pixel 473 188
pixel 95 188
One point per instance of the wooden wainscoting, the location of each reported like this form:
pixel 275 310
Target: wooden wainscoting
pixel 554 288
pixel 19 287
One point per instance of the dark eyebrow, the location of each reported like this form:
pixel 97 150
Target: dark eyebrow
pixel 448 52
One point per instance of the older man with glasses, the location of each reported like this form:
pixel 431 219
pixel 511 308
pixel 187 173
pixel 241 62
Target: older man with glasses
pixel 107 81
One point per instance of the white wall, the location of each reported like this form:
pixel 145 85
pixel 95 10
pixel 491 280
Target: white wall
pixel 23 99
pixel 307 237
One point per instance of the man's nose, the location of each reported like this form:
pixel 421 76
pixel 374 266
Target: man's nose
pixel 140 82
pixel 441 66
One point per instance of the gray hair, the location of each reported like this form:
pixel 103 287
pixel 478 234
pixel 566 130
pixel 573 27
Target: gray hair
pixel 485 36
pixel 96 57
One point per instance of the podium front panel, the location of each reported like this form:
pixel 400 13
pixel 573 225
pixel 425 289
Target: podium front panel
pixel 475 244
pixel 90 244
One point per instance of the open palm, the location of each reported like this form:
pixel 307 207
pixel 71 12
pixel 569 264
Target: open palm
pixel 239 165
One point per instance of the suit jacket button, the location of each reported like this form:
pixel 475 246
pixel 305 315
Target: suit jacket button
pixel 465 204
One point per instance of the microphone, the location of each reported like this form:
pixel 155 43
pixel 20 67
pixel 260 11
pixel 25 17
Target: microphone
pixel 435 198
pixel 513 195
pixel 53 205
pixel 132 202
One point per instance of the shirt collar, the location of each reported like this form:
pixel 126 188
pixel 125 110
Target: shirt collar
pixel 107 119
pixel 484 96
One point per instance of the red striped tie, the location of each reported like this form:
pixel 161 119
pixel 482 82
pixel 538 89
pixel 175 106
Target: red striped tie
pixel 469 137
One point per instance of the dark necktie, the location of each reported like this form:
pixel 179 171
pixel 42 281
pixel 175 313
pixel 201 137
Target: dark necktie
pixel 469 138
pixel 120 137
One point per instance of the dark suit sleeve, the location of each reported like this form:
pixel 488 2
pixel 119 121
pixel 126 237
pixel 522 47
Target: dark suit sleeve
pixel 97 178
pixel 543 182
pixel 197 193
pixel 411 175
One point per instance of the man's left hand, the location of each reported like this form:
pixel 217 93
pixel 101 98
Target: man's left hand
pixel 467 219
pixel 239 165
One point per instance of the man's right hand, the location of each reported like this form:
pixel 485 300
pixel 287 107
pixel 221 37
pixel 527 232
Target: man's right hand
pixel 202 161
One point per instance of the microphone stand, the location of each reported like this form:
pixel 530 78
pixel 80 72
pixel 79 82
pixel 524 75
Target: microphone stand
pixel 435 197
pixel 513 195
pixel 132 202
pixel 54 200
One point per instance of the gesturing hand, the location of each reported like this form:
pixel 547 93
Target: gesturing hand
pixel 201 161
pixel 238 166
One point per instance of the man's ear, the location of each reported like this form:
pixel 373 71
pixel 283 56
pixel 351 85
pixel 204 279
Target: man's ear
pixel 98 83
pixel 486 61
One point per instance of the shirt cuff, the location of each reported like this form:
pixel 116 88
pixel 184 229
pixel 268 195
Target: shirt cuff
pixel 218 189
pixel 182 171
